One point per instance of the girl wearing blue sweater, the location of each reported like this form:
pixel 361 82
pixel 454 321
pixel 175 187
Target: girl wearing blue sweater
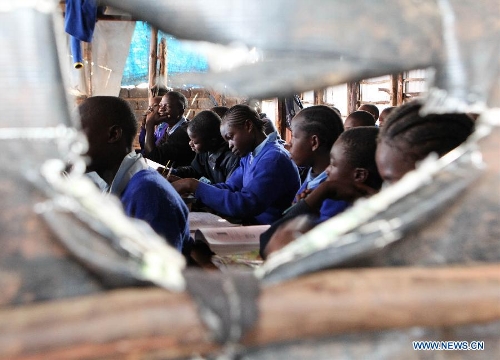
pixel 265 183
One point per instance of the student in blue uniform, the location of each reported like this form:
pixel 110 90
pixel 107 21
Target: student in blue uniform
pixel 110 127
pixel 314 130
pixel 351 174
pixel 214 162
pixel 264 184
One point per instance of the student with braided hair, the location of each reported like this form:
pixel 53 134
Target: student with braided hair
pixel 407 138
pixel 314 130
pixel 264 184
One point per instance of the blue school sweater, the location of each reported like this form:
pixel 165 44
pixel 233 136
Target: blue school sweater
pixel 329 207
pixel 259 190
pixel 149 197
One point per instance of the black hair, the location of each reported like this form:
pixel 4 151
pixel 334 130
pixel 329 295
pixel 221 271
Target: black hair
pixel 322 121
pixel 372 109
pixel 362 118
pixel 114 110
pixel 178 97
pixel 239 114
pixel 437 133
pixel 220 110
pixel 159 90
pixel 388 110
pixel 206 124
pixel 360 144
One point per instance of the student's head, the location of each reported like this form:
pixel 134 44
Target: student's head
pixel 352 157
pixel 314 130
pixel 154 102
pixel 359 118
pixel 242 128
pixel 110 126
pixel 204 132
pixel 372 109
pixel 159 90
pixel 384 114
pixel 407 137
pixel 173 105
pixel 337 111
pixel 220 110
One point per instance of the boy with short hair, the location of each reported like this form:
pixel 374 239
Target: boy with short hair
pixel 110 127
pixel 214 162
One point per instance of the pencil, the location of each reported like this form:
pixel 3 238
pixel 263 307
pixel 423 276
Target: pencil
pixel 170 170
pixel 165 168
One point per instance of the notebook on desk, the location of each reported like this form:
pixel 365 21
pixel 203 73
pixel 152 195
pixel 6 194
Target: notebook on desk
pixel 198 220
pixel 231 240
pixel 154 164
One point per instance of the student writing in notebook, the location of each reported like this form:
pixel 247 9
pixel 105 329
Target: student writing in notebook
pixel 214 162
pixel 264 184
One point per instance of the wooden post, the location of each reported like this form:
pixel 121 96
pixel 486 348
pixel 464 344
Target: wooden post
pixel 153 58
pixel 396 89
pixel 163 62
pixel 352 96
pixel 281 118
pixel 319 97
pixel 153 323
pixel 87 56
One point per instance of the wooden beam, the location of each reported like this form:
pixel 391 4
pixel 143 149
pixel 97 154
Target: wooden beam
pixel 153 323
pixel 352 96
pixel 281 118
pixel 319 97
pixel 153 58
pixel 87 60
pixel 397 89
pixel 163 62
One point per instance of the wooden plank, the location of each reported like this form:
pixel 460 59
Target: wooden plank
pixel 146 322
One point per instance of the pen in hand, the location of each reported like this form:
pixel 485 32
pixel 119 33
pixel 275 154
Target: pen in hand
pixel 170 170
pixel 165 168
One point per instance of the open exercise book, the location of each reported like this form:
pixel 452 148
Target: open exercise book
pixel 223 237
pixel 154 164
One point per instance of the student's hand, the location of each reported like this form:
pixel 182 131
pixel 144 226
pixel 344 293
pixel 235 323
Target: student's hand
pixel 337 190
pixel 152 115
pixel 186 186
pixel 164 172
pixel 348 191
pixel 173 178
pixel 303 194
pixel 287 233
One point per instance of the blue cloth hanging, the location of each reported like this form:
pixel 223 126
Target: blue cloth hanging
pixel 79 22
